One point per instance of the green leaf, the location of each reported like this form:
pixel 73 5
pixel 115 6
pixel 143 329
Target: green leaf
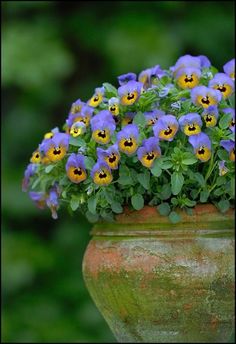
pixel 223 205
pixel 199 178
pixel 189 161
pixel 166 165
pixel 91 217
pixel 232 187
pixel 177 181
pixel 137 201
pixel 156 169
pixel 139 119
pixel 125 180
pixel 164 209
pixel 110 90
pixel 49 168
pixel 174 217
pixel 225 120
pixel 189 203
pixel 77 141
pixel 74 203
pixel 220 180
pixel 144 179
pixel 116 207
pixel 223 154
pixel 165 192
pixel 92 204
pixel 89 162
pixel 204 194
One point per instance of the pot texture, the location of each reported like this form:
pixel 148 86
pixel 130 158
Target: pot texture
pixel 157 282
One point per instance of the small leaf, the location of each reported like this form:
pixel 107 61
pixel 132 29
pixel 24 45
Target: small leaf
pixel 189 161
pixel 156 169
pixel 199 178
pixel 110 90
pixel 165 192
pixel 144 179
pixel 166 165
pixel 137 201
pixel 116 207
pixel 125 180
pixel 164 209
pixel 204 194
pixel 189 203
pixel 92 204
pixel 49 168
pixel 77 142
pixel 74 203
pixel 91 217
pixel 174 217
pixel 177 181
pixel 224 121
pixel 139 119
pixel 223 205
pixel 89 162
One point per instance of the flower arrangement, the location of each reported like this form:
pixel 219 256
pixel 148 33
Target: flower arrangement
pixel 163 138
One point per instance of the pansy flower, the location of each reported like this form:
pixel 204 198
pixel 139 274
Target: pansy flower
pixel 210 115
pixel 128 118
pixel 149 151
pixel 103 126
pixel 77 129
pixel 97 98
pixel 52 201
pixel 166 127
pixel 156 73
pixel 144 77
pixel 127 139
pixel 190 124
pixel 223 83
pixel 29 172
pixel 229 145
pixel 36 157
pixel 185 61
pixel 153 116
pixel 76 106
pixel 84 116
pixel 101 173
pixel 75 168
pixel 55 149
pixel 113 106
pixel 201 145
pixel 111 156
pixel 188 77
pixel 39 198
pixel 51 133
pixel 229 69
pixel 205 96
pixel 230 111
pixel 130 92
pixel 124 78
pixel 222 168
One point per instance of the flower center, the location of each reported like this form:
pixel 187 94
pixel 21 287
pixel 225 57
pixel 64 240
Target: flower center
pixel 77 171
pixel 208 118
pixel 205 100
pixel 130 96
pixel 128 143
pixel 150 156
pixel 57 151
pixel 191 127
pixel 188 78
pixel 102 175
pixel 201 150
pixel 112 158
pixel 168 131
pixel 221 88
pixel 102 134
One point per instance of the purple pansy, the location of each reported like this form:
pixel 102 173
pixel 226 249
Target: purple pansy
pixel 130 92
pixel 188 77
pixel 190 124
pixel 210 115
pixel 222 168
pixel 124 78
pixel 229 68
pixel 39 198
pixel 229 145
pixel 103 125
pixel 101 173
pixel 201 145
pixel 205 96
pixel 111 156
pixel 76 106
pixel 75 168
pixel 223 83
pixel 29 172
pixel 56 147
pixel 149 151
pixel 153 116
pixel 127 139
pixel 166 127
pixel 52 200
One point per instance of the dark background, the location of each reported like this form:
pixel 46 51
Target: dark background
pixel 52 54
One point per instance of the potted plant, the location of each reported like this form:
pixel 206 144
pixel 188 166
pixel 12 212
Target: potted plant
pixel 151 164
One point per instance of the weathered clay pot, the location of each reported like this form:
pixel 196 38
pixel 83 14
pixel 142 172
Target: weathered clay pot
pixel 155 282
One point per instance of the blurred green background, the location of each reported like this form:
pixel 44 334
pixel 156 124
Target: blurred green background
pixel 52 54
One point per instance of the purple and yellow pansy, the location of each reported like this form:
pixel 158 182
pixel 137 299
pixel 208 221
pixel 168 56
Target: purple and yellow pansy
pixel 127 139
pixel 190 124
pixel 149 151
pixel 101 174
pixel 201 145
pixel 166 127
pixel 103 126
pixel 75 168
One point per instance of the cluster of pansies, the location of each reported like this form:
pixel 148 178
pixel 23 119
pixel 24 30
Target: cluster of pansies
pixel 162 137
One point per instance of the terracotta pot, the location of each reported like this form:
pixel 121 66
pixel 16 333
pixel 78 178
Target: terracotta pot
pixel 156 282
